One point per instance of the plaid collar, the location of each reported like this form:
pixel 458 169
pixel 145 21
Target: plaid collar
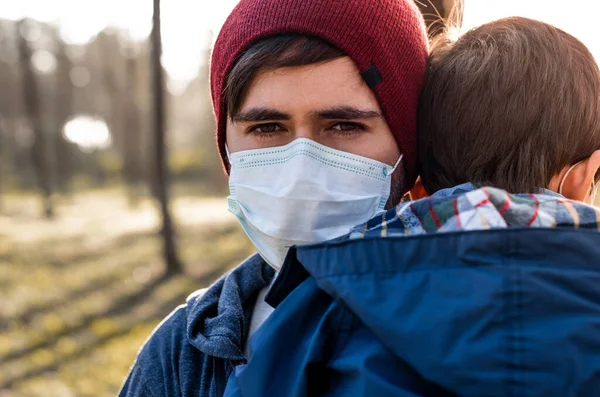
pixel 466 207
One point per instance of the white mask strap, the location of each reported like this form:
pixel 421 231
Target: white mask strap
pixel 564 178
pixel 227 151
pixel 396 165
pixel 398 162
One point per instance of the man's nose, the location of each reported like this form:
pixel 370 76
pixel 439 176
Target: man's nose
pixel 306 131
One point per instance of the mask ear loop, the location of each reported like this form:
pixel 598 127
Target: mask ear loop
pixel 395 165
pixel 564 178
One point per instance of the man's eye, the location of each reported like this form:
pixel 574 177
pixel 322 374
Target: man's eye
pixel 348 127
pixel 269 128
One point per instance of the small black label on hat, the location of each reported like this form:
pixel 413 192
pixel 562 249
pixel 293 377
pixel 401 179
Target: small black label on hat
pixel 372 76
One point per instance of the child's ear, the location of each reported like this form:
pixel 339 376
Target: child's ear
pixel 418 191
pixel 578 183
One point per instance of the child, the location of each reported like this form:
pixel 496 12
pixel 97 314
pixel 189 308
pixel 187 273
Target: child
pixel 490 286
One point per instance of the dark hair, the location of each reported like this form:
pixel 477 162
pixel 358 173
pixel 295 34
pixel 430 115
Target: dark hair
pixel 274 52
pixel 509 104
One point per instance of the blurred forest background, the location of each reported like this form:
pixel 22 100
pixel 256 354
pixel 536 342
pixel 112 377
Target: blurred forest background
pixel 102 153
pixel 112 206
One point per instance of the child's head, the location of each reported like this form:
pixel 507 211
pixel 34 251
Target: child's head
pixel 512 104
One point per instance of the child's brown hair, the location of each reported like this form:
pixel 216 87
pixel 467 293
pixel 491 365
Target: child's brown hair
pixel 509 104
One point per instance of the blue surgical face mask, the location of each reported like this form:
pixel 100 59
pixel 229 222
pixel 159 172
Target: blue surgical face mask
pixel 302 193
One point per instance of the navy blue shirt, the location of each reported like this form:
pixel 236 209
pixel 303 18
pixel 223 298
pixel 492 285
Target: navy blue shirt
pixel 194 350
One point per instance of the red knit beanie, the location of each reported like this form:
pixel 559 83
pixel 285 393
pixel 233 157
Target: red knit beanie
pixel 386 39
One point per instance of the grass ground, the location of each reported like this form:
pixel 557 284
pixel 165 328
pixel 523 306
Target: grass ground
pixel 80 294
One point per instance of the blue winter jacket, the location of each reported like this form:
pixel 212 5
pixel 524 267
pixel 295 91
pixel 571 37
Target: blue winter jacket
pixel 507 312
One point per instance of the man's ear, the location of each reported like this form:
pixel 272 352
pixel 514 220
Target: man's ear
pixel 578 183
pixel 418 191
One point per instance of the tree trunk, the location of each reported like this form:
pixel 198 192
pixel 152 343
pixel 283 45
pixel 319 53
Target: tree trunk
pixel 63 110
pixel 3 152
pixel 33 113
pixel 159 123
pixel 132 150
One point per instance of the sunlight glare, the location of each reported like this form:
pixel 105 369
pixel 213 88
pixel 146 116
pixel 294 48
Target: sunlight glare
pixel 44 61
pixel 572 16
pixel 186 25
pixel 88 133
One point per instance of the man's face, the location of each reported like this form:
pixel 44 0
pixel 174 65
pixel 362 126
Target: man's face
pixel 328 103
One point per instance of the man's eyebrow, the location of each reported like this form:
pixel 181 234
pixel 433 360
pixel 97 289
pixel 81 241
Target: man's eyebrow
pixel 347 113
pixel 260 114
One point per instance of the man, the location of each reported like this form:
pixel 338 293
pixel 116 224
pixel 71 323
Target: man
pixel 316 112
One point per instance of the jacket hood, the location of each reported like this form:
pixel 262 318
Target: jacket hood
pixel 505 312
pixel 218 318
pixel 510 311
